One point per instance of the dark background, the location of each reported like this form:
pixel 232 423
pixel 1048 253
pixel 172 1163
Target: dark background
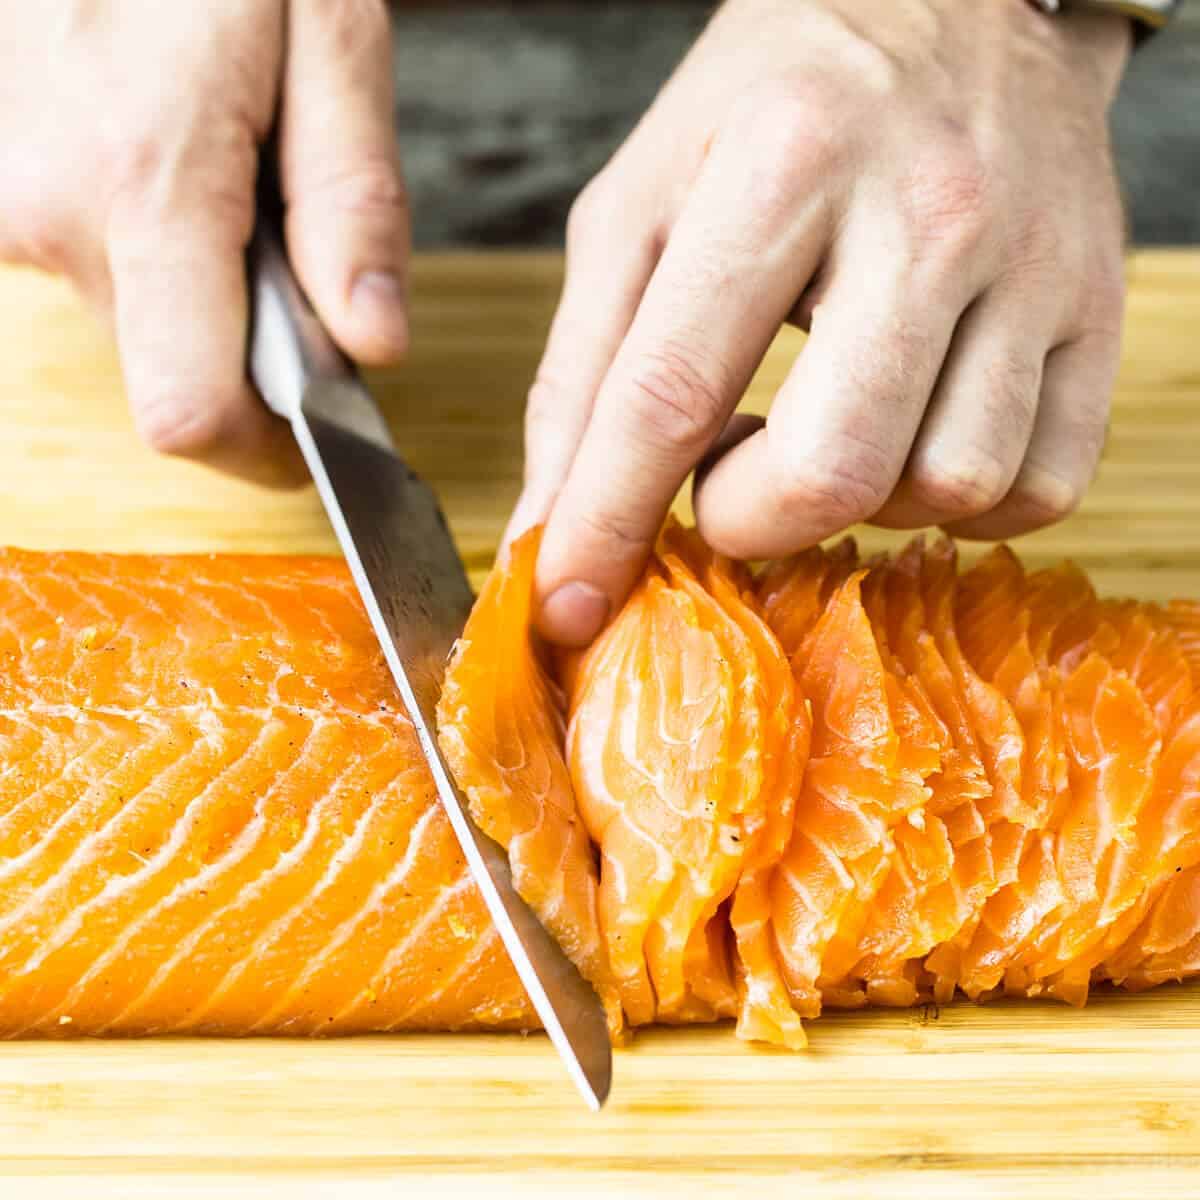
pixel 505 111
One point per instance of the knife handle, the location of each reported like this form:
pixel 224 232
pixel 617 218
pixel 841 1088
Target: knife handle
pixel 290 349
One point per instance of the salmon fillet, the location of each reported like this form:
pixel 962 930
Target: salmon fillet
pixel 828 783
pixel 213 813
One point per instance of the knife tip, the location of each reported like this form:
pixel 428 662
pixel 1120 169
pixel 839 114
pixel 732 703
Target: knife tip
pixel 594 1081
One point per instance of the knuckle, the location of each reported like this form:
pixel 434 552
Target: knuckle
pixel 30 233
pixel 369 184
pixel 966 480
pixel 33 204
pixel 607 529
pixel 968 485
pixel 133 161
pixel 543 416
pixel 205 184
pixel 672 402
pixel 352 27
pixel 790 125
pixel 1040 247
pixel 1107 293
pixel 836 489
pixel 590 213
pixel 542 399
pixel 948 203
pixel 178 424
pixel 1043 497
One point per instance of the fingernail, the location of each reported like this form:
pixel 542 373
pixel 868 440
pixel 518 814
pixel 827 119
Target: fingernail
pixel 1051 489
pixel 574 613
pixel 377 300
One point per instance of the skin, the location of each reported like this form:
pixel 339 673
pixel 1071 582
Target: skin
pixel 925 185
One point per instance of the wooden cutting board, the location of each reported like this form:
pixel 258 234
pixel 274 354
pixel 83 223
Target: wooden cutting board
pixel 1026 1099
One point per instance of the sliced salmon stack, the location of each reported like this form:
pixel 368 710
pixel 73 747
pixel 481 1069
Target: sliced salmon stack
pixel 1113 747
pixel 1138 861
pixel 1112 741
pixel 1160 938
pixel 995 627
pixel 903 921
pixel 827 783
pixel 855 790
pixel 944 867
pixel 685 751
pixel 1118 686
pixel 1159 861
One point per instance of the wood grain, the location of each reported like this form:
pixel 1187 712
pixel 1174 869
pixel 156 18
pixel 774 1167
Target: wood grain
pixel 1009 1099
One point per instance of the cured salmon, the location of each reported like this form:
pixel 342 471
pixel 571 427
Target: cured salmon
pixel 214 817
pixel 827 782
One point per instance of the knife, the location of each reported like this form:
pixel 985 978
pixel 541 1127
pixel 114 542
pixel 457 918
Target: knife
pixel 400 552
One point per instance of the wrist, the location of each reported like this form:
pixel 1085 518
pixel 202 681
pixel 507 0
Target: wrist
pixel 1146 15
pixel 1104 37
pixel 1108 38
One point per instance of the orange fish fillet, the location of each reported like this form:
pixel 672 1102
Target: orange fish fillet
pixel 213 814
pixel 831 783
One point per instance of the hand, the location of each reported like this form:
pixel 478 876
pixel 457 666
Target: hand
pixel 925 183
pixel 130 133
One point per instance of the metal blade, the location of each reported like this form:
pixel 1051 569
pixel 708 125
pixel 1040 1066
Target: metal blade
pixel 399 548
pixel 403 559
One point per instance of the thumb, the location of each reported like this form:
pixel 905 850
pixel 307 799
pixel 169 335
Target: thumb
pixel 347 214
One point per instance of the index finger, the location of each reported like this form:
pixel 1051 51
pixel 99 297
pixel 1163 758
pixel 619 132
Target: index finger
pixel 746 243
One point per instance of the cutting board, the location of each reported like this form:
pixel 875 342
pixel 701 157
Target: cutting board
pixel 1013 1098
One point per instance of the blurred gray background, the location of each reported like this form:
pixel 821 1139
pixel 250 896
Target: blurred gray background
pixel 506 110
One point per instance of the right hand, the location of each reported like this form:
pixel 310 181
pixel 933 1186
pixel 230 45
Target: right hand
pixel 130 132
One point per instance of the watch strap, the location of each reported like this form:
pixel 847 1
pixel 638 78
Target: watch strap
pixel 1149 15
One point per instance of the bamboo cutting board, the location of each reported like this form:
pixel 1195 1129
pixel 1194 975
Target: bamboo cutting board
pixel 1025 1099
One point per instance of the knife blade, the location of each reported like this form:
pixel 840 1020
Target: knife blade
pixel 402 556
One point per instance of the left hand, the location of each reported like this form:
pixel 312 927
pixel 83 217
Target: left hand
pixel 928 184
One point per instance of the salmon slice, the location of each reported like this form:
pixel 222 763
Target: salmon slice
pixel 794 592
pixel 765 1012
pixel 1107 886
pixel 853 793
pixel 1160 938
pixel 919 607
pixel 501 726
pixel 898 927
pixel 991 599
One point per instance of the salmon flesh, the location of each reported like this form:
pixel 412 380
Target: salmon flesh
pixel 825 783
